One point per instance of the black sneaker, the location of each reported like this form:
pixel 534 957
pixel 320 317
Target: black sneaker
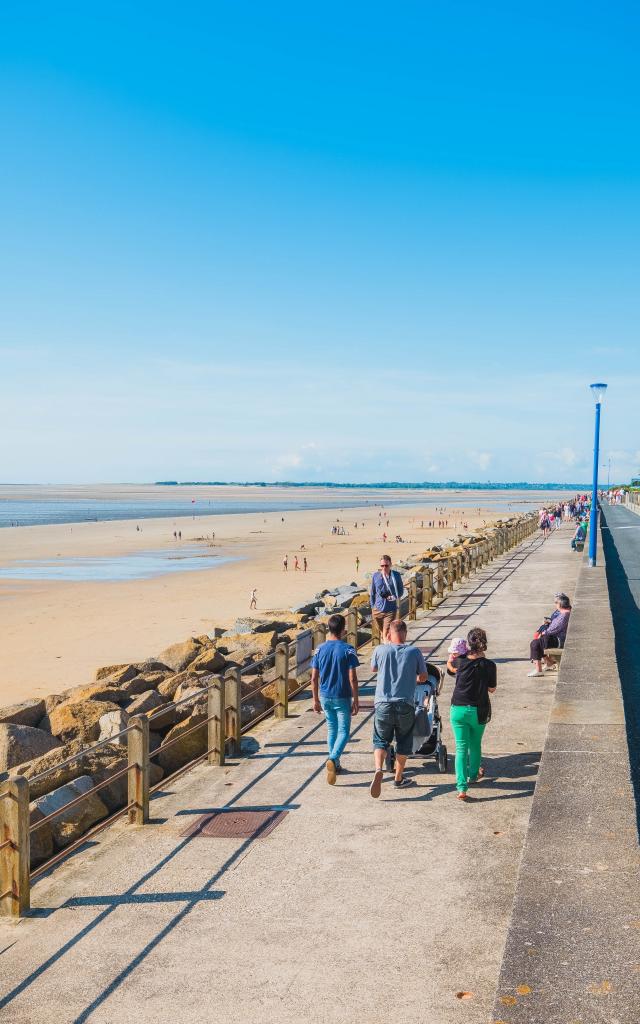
pixel 403 783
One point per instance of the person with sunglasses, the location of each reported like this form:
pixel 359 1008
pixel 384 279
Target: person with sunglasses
pixel 386 590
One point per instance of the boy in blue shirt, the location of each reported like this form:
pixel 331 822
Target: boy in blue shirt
pixel 334 687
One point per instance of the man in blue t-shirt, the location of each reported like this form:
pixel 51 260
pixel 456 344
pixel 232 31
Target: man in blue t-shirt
pixel 334 686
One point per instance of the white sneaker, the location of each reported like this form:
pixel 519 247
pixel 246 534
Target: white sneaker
pixel 535 674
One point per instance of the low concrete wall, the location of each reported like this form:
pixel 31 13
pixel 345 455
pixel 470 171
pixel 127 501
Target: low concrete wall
pixel 572 954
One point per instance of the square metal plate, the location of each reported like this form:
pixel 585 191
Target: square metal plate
pixel 235 824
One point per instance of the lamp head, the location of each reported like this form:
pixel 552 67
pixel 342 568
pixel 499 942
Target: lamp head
pixel 598 390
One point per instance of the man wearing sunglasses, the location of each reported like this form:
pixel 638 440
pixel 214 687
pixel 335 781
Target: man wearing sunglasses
pixel 386 590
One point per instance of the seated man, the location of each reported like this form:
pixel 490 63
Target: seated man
pixel 552 635
pixel 580 535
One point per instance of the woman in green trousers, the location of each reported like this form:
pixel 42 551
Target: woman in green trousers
pixel 470 707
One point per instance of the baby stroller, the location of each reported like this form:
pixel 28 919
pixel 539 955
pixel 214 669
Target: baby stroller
pixel 427 729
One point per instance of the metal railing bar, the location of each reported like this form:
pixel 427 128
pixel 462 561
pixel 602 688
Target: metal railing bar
pixel 51 863
pixel 8 842
pixel 176 775
pixel 8 892
pixel 82 753
pixel 83 796
pixel 176 739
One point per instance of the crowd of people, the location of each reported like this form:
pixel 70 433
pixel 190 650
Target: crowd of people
pixel 399 668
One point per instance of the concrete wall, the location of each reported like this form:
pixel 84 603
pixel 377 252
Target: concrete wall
pixel 572 954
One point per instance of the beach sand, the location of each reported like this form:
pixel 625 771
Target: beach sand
pixel 56 633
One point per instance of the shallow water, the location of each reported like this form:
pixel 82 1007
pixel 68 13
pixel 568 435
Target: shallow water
pixel 33 512
pixel 117 568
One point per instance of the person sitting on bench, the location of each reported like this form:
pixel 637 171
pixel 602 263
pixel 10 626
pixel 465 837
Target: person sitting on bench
pixel 579 536
pixel 553 635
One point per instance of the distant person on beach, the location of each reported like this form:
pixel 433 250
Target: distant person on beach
pixel 304 564
pixel 254 602
pixel 334 689
pixel 285 563
pixel 386 590
pixel 296 563
pixel 357 564
pixel 179 534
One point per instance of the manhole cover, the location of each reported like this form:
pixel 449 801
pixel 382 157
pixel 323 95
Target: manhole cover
pixel 235 824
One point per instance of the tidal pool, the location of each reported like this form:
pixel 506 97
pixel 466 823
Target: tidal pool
pixel 139 565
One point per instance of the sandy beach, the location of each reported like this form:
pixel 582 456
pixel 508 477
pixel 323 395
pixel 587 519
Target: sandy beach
pixel 56 633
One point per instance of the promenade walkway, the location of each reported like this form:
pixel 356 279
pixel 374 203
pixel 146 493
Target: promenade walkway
pixel 351 909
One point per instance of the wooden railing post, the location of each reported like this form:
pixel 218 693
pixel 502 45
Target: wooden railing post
pixel 216 713
pixel 413 599
pixel 319 634
pixel 449 573
pixel 427 589
pixel 352 627
pixel 15 856
pixel 440 580
pixel 281 709
pixel 138 757
pixel 233 694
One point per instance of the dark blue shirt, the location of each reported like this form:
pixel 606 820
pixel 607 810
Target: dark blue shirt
pixel 385 591
pixel 333 659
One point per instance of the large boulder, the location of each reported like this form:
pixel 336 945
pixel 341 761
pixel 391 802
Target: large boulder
pixel 145 702
pixel 100 764
pixel 188 747
pixel 70 825
pixel 95 691
pixel 178 656
pixel 360 600
pixel 255 645
pixel 112 724
pixel 168 687
pixel 116 673
pixel 140 684
pixel 40 841
pixel 211 660
pixel 79 720
pixel 29 712
pixel 20 743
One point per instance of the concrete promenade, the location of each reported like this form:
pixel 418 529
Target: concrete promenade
pixel 351 909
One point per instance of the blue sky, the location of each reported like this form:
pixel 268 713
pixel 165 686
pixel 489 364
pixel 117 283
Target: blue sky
pixel 339 241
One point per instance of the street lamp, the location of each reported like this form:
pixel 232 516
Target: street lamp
pixel 597 390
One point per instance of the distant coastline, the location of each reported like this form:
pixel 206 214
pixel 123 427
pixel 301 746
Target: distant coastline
pixel 395 485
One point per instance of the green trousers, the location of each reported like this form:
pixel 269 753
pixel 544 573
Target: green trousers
pixel 468 733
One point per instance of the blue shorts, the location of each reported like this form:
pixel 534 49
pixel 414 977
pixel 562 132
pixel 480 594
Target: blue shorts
pixel 394 720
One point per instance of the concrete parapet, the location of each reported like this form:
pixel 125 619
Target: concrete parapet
pixel 572 950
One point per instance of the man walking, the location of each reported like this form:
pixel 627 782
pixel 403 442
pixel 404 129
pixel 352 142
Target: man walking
pixel 400 666
pixel 386 590
pixel 334 687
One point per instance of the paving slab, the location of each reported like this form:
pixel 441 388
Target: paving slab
pixel 351 909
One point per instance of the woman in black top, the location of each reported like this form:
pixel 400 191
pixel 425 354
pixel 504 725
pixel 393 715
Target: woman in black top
pixel 471 708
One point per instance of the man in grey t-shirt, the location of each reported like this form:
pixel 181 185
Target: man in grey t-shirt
pixel 400 667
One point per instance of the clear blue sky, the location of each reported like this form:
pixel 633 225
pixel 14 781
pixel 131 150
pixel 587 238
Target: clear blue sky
pixel 337 241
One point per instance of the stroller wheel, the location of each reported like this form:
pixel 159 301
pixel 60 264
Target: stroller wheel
pixel 443 760
pixel 390 759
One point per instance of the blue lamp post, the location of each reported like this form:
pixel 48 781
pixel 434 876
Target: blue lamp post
pixel 597 391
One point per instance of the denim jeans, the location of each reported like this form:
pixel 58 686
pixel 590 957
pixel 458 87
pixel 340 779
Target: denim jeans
pixel 337 711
